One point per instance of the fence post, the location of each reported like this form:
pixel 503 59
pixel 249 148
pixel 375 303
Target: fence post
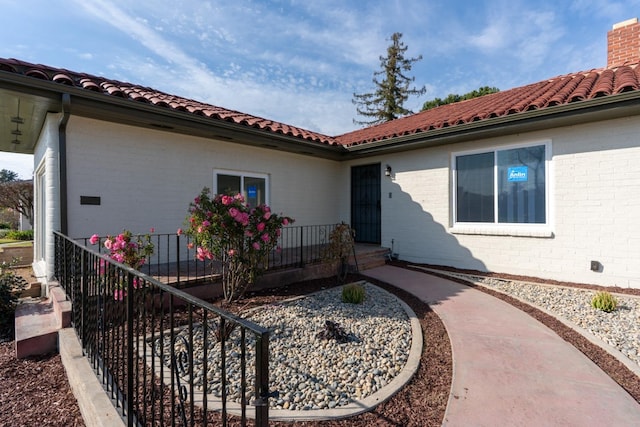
pixel 262 380
pixel 177 260
pixel 130 332
pixel 302 246
pixel 84 292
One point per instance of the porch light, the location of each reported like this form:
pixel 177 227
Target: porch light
pixel 387 171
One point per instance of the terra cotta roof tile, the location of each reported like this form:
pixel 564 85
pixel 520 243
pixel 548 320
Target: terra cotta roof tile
pixel 157 98
pixel 561 90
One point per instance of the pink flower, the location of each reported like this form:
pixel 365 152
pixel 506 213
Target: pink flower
pixel 197 200
pixel 119 294
pixel 232 252
pixel 200 229
pixel 152 230
pixel 227 200
pixel 265 237
pixel 206 223
pixel 278 249
pixel 108 244
pixel 267 215
pixel 278 232
pixel 234 212
pixel 239 197
pixel 256 246
pixel 261 226
pixel 285 221
pixel 190 245
pixel 179 232
pixel 203 253
pixel 94 239
pixel 248 233
pixel 118 257
pixel 244 219
pixel 135 283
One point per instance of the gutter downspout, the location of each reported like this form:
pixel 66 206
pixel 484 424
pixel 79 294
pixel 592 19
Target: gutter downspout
pixel 62 147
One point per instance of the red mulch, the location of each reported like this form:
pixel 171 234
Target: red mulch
pixel 35 391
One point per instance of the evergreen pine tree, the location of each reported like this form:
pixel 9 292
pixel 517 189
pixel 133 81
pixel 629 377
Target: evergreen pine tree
pixel 387 101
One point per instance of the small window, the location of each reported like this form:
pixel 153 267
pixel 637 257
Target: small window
pixel 252 186
pixel 507 186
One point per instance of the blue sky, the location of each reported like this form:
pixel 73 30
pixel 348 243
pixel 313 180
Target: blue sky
pixel 300 61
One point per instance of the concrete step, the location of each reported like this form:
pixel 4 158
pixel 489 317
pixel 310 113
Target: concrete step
pixel 370 258
pixel 38 320
pixel 33 290
pixel 36 328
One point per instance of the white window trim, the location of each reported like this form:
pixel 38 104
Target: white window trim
pixel 506 229
pixel 243 175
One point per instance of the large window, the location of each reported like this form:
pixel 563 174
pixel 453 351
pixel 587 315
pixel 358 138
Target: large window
pixel 506 186
pixel 252 186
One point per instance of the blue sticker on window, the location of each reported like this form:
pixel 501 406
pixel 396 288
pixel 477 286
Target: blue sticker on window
pixel 518 174
pixel 252 191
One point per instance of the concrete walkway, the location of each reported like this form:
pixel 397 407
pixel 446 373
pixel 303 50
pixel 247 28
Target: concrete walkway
pixel 508 368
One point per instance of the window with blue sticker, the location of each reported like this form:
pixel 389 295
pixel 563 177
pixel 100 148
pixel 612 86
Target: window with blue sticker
pixel 252 186
pixel 507 186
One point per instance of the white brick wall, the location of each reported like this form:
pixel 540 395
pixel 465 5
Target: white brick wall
pixel 146 178
pixel 595 195
pixel 595 201
pixel 46 162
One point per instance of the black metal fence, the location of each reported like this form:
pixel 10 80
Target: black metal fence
pixel 173 260
pixel 163 356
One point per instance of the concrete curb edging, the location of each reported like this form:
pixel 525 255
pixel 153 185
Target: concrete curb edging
pixel 382 395
pixel 95 406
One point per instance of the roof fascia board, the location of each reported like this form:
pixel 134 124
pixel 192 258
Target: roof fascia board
pixel 597 109
pixel 100 106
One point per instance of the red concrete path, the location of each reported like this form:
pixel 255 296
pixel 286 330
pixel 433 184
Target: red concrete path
pixel 508 368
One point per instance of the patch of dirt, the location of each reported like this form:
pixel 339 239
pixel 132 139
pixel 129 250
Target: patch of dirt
pixel 35 391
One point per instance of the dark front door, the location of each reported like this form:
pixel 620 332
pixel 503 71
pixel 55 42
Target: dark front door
pixel 365 203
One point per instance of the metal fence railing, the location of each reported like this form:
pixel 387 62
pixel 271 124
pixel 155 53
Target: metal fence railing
pixel 162 355
pixel 174 262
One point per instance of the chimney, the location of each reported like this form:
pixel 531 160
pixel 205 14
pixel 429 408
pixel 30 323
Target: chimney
pixel 623 44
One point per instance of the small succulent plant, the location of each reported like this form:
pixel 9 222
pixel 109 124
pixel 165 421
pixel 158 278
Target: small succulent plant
pixel 604 301
pixel 333 331
pixel 353 293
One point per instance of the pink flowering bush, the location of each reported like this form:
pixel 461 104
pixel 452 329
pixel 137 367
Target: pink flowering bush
pixel 125 250
pixel 226 229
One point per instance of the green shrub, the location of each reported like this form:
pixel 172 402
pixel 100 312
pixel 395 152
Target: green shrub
pixel 20 235
pixel 353 293
pixel 10 286
pixel 604 301
pixel 5 226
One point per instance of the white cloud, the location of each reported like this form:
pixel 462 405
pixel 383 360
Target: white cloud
pixel 22 164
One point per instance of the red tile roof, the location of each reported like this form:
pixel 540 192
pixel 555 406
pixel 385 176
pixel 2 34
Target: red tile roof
pixel 160 99
pixel 561 90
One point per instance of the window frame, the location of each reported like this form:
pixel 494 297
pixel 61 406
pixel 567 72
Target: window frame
pixel 242 175
pixel 497 228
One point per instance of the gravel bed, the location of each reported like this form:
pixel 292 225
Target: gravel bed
pixel 620 328
pixel 307 371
